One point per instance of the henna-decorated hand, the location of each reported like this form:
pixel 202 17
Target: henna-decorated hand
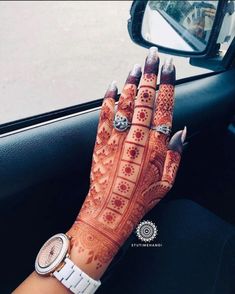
pixel 132 170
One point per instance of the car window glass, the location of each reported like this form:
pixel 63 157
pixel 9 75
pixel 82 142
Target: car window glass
pixel 55 54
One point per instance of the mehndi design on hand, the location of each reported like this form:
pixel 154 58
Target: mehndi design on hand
pixel 132 170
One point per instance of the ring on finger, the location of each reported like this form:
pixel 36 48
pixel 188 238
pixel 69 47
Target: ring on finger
pixel 121 123
pixel 164 129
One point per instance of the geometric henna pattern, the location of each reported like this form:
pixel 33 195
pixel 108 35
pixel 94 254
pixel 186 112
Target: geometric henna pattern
pixel 131 171
pixel 165 103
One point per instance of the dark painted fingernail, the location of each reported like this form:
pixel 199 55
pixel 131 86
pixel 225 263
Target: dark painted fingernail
pixel 112 90
pixel 168 72
pixel 152 55
pixel 136 70
pixel 168 65
pixel 134 75
pixel 177 141
pixel 152 61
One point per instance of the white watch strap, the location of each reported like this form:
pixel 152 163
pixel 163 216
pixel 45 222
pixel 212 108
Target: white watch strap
pixel 75 279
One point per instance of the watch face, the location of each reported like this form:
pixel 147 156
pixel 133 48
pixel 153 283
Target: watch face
pixel 50 251
pixel 52 254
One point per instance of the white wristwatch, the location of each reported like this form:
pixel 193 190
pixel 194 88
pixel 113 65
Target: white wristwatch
pixel 53 259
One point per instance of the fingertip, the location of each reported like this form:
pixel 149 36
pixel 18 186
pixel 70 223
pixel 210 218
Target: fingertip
pixel 134 75
pixel 168 65
pixel 136 70
pixel 177 141
pixel 152 54
pixel 168 74
pixel 113 86
pixel 152 61
pixel 112 90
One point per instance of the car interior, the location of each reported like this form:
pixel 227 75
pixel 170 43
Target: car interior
pixel 45 164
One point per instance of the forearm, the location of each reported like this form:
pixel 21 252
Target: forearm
pixel 40 285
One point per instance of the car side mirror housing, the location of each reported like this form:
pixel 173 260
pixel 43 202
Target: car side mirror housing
pixel 183 28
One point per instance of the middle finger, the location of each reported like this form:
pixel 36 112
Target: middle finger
pixel 145 100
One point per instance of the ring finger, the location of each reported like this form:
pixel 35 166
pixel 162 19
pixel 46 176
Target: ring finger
pixel 162 118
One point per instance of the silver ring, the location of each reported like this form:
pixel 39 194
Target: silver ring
pixel 165 129
pixel 121 123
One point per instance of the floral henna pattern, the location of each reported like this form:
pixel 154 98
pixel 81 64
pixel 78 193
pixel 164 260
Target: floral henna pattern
pixel 104 129
pixel 155 193
pixel 100 173
pixel 91 246
pixel 109 217
pixel 138 135
pixel 123 187
pixel 117 202
pixel 104 135
pixel 132 171
pixel 149 78
pixel 126 101
pixel 171 166
pixel 158 151
pixel 146 96
pixel 142 115
pixel 107 112
pixel 133 152
pixel 128 170
pixel 108 140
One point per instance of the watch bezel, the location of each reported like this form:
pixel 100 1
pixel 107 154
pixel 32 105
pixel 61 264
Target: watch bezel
pixel 52 267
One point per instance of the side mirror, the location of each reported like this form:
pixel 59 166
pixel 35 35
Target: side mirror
pixel 183 28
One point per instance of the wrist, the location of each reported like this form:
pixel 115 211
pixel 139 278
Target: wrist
pixel 91 250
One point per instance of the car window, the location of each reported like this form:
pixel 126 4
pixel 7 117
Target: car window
pixel 56 54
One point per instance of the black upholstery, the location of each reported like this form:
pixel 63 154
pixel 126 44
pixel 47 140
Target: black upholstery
pixel 197 255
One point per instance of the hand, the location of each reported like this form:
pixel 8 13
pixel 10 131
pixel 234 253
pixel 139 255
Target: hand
pixel 132 170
